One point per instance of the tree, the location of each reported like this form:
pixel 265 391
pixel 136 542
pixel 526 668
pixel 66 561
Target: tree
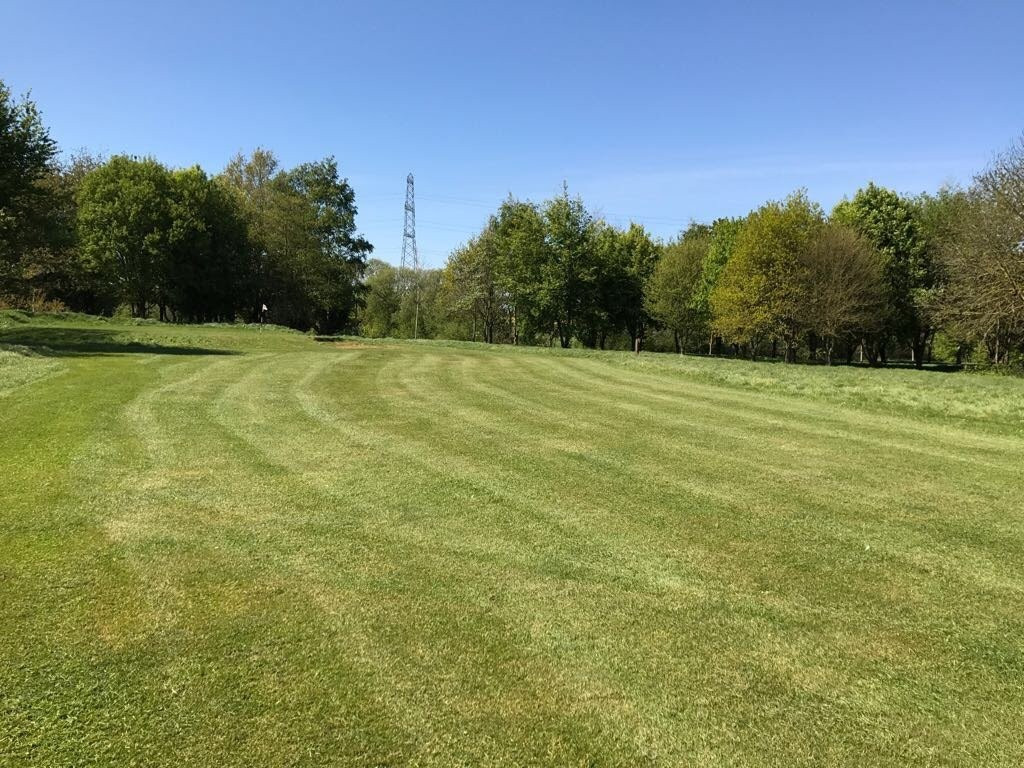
pixel 844 295
pixel 338 261
pixel 470 289
pixel 55 271
pixel 568 271
pixel 892 225
pixel 721 245
pixel 27 159
pixel 307 257
pixel 379 315
pixel 124 222
pixel 672 289
pixel 520 233
pixel 625 261
pixel 206 273
pixel 985 260
pixel 759 294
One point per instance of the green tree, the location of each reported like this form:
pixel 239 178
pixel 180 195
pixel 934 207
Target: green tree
pixel 892 224
pixel 984 261
pixel 56 272
pixel 379 314
pixel 336 264
pixel 569 270
pixel 124 224
pixel 470 290
pixel 758 296
pixel 843 297
pixel 721 245
pixel 520 233
pixel 625 261
pixel 27 160
pixel 307 257
pixel 672 295
pixel 206 273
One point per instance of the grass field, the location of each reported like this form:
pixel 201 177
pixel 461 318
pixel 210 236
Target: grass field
pixel 225 547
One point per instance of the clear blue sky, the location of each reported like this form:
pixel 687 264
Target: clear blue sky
pixel 657 111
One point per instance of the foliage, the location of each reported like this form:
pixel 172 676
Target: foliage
pixel 672 291
pixel 984 301
pixel 892 224
pixel 131 235
pixel 761 289
pixel 843 297
pixel 27 160
pixel 124 223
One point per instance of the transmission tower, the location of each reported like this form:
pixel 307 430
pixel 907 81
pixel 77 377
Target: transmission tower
pixel 410 256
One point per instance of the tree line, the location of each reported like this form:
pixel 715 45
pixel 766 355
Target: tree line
pixel 180 245
pixel 880 277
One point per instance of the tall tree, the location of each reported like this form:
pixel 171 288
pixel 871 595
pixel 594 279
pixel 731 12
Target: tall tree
pixel 722 243
pixel 124 222
pixel 307 257
pixel 379 315
pixel 758 296
pixel 206 274
pixel 339 261
pixel 843 295
pixel 470 288
pixel 569 271
pixel 27 159
pixel 985 261
pixel 519 230
pixel 625 262
pixel 892 224
pixel 672 288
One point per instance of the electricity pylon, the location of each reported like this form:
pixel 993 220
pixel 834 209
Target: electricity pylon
pixel 410 256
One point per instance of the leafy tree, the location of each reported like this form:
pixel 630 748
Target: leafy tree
pixel 307 258
pixel 844 295
pixel 722 242
pixel 56 270
pixel 124 223
pixel 984 300
pixel 420 314
pixel 27 160
pixel 569 270
pixel 673 288
pixel 206 274
pixel 379 315
pixel 520 232
pixel 470 289
pixel 625 262
pixel 892 224
pixel 758 296
pixel 338 261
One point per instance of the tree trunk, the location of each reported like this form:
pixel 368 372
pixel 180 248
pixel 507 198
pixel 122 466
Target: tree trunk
pixel 679 347
pixel 917 351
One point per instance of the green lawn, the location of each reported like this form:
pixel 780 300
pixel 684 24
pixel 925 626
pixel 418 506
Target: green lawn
pixel 221 546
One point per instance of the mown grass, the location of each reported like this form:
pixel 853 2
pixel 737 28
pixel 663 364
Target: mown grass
pixel 221 546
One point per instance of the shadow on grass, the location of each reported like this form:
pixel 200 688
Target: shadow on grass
pixel 86 342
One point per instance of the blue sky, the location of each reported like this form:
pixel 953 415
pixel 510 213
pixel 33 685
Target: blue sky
pixel 660 112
